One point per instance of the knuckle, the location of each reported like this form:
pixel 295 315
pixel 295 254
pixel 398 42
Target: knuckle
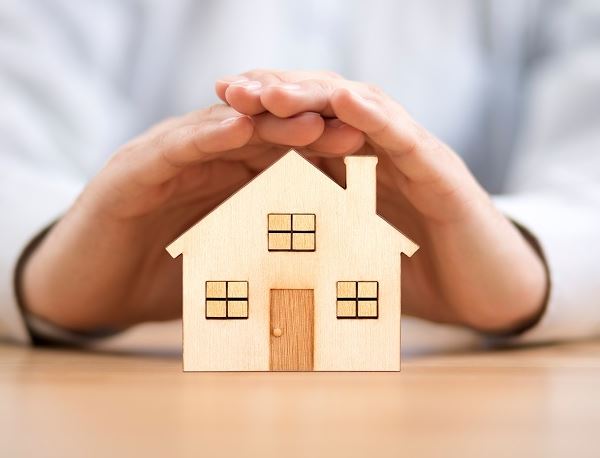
pixel 162 140
pixel 323 85
pixel 175 137
pixel 417 141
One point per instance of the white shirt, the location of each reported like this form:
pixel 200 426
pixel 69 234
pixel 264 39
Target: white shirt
pixel 513 86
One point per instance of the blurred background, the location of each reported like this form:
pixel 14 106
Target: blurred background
pixel 80 78
pixel 512 86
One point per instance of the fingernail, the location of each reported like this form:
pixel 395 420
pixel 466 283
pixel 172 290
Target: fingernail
pixel 248 85
pixel 231 120
pixel 287 86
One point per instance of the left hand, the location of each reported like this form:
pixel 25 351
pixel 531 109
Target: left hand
pixel 474 267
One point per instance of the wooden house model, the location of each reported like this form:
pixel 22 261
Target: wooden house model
pixel 294 273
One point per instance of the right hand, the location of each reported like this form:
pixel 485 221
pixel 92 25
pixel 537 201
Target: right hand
pixel 104 264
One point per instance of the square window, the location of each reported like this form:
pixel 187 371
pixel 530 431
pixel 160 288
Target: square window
pixel 357 299
pixel 237 289
pixel 280 241
pixel 216 289
pixel 367 309
pixel 280 222
pixel 346 309
pixel 346 289
pixel 226 299
pixel 302 222
pixel 216 309
pixel 237 309
pixel 302 241
pixel 291 231
pixel 367 289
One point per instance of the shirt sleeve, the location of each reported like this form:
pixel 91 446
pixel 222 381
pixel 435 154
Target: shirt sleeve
pixel 554 190
pixel 63 111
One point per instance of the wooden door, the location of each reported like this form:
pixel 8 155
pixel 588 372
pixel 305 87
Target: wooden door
pixel 292 329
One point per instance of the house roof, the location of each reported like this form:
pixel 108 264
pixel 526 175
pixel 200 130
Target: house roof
pixel 175 248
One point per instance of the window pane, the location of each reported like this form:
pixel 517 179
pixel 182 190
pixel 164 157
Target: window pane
pixel 237 289
pixel 304 222
pixel 237 309
pixel 280 222
pixel 215 309
pixel 303 242
pixel 280 241
pixel 367 289
pixel 367 309
pixel 215 289
pixel 346 289
pixel 346 309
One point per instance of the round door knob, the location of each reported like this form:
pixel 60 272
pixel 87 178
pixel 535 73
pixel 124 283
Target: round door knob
pixel 277 332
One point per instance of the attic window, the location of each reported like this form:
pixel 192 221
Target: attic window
pixel 357 299
pixel 226 300
pixel 291 231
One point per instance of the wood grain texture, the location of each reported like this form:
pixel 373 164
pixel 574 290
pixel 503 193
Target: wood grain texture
pixel 280 222
pixel 292 311
pixel 303 222
pixel 135 401
pixel 351 242
pixel 303 241
pixel 367 309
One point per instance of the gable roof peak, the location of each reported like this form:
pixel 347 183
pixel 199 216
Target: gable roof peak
pixel 361 184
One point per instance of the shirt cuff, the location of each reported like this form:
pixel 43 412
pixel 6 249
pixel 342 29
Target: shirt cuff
pixel 566 232
pixel 46 333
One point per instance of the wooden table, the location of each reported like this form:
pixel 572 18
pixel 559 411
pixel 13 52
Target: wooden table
pixel 135 401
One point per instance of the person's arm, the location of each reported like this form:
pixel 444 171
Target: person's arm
pixel 475 268
pixel 555 187
pixel 60 112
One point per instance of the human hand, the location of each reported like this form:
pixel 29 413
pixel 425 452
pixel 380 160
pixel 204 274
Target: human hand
pixel 474 267
pixel 104 264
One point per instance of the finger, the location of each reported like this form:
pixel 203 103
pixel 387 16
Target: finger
pixel 386 124
pixel 300 130
pixel 289 99
pixel 272 134
pixel 245 95
pixel 163 156
pixel 216 112
pixel 265 76
pixel 246 99
pixel 223 83
pixel 337 139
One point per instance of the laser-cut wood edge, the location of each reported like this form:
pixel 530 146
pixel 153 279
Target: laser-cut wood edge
pixel 395 239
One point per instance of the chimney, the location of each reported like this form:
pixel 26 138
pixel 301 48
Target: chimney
pixel 361 182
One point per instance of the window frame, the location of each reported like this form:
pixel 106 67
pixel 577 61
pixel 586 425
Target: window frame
pixel 291 233
pixel 227 299
pixel 356 298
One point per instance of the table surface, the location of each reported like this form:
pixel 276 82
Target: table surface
pixel 132 399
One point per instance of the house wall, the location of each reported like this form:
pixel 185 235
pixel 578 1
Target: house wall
pixel 350 245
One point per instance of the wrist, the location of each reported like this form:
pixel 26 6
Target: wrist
pixel 516 296
pixel 65 279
